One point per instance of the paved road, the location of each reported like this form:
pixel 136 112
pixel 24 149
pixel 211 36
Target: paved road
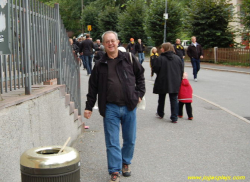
pixel 215 143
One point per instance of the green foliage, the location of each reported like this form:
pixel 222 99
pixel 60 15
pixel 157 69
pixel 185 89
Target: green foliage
pixel 70 12
pixel 245 19
pixel 131 21
pixel 155 21
pixel 108 19
pixel 208 20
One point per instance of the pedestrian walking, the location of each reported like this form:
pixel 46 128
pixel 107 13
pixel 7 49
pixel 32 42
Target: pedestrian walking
pixel 131 46
pixel 195 52
pixel 86 49
pixel 140 47
pixel 169 69
pixel 99 54
pixel 185 97
pixel 179 49
pixel 97 45
pixel 120 84
pixel 153 56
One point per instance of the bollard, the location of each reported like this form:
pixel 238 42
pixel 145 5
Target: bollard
pixel 44 164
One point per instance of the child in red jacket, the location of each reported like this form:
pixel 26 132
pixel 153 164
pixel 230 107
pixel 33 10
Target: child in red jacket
pixel 185 97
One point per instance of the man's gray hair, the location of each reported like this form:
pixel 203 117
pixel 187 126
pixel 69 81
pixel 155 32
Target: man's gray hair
pixel 110 31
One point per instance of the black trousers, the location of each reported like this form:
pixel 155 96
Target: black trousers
pixel 173 105
pixel 188 109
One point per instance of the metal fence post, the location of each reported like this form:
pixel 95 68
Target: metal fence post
pixel 58 43
pixel 215 54
pixel 27 46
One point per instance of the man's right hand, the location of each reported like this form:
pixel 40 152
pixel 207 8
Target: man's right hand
pixel 87 114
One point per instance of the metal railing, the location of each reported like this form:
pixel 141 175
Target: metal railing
pixel 40 51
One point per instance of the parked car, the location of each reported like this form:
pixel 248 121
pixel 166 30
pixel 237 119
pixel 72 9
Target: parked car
pixel 186 43
pixel 81 35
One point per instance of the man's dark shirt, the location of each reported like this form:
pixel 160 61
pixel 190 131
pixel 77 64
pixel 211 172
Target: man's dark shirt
pixel 115 93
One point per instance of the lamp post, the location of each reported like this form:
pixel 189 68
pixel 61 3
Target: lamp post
pixel 165 16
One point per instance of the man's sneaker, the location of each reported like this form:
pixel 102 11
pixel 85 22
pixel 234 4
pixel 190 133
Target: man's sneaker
pixel 174 121
pixel 126 170
pixel 191 118
pixel 115 177
pixel 180 116
pixel 157 115
pixel 195 80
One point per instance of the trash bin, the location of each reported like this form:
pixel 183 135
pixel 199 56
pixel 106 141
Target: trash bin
pixel 44 164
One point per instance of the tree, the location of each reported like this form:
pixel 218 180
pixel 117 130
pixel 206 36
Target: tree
pixel 108 19
pixel 245 19
pixel 70 12
pixel 208 20
pixel 155 21
pixel 131 21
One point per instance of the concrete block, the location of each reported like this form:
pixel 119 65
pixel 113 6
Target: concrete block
pixel 71 107
pixel 67 99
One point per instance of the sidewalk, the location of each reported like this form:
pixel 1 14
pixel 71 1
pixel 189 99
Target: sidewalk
pixel 219 67
pixel 215 143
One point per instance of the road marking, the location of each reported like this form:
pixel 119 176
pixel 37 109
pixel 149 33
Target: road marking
pixel 223 108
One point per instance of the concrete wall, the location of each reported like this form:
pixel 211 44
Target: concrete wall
pixel 39 120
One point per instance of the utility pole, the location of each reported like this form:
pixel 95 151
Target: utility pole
pixel 82 15
pixel 165 16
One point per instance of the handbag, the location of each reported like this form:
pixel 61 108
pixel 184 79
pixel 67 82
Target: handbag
pixel 142 104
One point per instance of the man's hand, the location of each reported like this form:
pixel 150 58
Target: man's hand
pixel 139 99
pixel 201 57
pixel 87 114
pixel 183 57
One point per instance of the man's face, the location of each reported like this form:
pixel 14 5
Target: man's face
pixel 193 39
pixel 139 40
pixel 178 41
pixel 98 41
pixel 110 43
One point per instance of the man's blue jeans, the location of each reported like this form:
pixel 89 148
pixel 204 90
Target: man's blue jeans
pixel 88 60
pixel 141 57
pixel 196 66
pixel 83 61
pixel 116 116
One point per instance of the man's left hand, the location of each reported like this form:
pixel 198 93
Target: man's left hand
pixel 139 99
pixel 201 57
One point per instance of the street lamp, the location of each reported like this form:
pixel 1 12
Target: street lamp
pixel 165 16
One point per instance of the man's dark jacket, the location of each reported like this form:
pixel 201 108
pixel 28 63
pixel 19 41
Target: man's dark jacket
pixel 179 50
pixel 195 52
pixel 131 48
pixel 130 74
pixel 87 47
pixel 169 69
pixel 139 47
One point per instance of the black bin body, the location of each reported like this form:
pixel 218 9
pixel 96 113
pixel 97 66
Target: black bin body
pixel 44 164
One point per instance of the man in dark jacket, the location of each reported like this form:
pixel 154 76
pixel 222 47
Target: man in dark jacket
pixel 86 49
pixel 195 52
pixel 131 46
pixel 179 49
pixel 139 47
pixel 169 69
pixel 120 85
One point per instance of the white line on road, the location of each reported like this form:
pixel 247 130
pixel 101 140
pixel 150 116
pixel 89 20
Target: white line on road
pixel 223 108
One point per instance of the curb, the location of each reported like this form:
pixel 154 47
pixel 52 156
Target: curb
pixel 218 69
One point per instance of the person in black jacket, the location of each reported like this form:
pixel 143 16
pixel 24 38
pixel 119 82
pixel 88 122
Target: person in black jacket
pixel 120 85
pixel 169 69
pixel 131 46
pixel 195 52
pixel 139 47
pixel 86 49
pixel 179 49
